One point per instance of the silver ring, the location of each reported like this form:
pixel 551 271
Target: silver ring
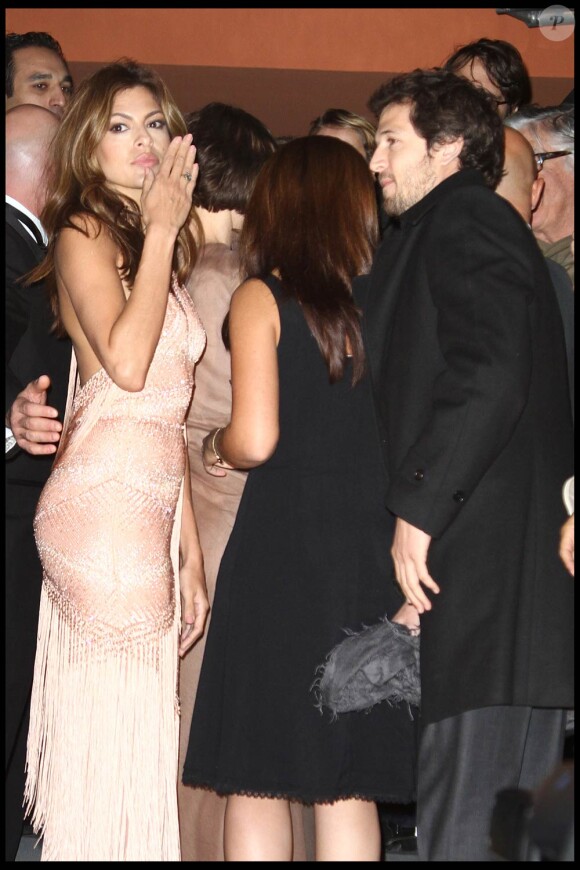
pixel 188 176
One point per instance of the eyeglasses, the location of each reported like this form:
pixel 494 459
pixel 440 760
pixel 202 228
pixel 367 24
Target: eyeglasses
pixel 496 101
pixel 548 155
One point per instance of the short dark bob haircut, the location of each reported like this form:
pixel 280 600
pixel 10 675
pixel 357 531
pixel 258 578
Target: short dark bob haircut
pixel 231 147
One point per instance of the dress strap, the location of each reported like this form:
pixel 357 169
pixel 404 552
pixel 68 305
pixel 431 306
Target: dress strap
pixel 274 285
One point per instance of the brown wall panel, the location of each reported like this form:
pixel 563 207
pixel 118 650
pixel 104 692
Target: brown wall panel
pixel 287 100
pixel 356 40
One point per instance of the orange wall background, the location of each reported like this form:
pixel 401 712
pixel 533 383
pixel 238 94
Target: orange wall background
pixel 306 39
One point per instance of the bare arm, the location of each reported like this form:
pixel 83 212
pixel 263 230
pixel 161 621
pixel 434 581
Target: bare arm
pixel 252 434
pixel 194 601
pixel 107 329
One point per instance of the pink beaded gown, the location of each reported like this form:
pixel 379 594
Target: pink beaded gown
pixel 103 742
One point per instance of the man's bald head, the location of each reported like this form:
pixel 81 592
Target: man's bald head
pixel 29 131
pixel 551 128
pixel 520 184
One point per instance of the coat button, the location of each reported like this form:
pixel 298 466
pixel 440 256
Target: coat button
pixel 459 496
pixel 419 474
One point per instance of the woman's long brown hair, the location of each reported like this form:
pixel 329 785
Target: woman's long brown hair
pixel 77 185
pixel 313 217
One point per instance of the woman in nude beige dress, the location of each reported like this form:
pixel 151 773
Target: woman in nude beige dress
pixel 103 743
pixel 231 147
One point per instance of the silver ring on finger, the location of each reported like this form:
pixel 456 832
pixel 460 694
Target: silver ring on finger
pixel 188 176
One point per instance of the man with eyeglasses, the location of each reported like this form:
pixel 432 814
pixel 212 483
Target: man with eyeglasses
pixel 498 68
pixel 522 184
pixel 550 132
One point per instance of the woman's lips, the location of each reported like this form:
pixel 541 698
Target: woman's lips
pixel 150 160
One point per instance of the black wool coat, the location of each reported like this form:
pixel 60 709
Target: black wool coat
pixel 466 353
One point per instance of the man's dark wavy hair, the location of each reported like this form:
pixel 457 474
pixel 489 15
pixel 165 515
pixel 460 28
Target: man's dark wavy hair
pixel 503 64
pixel 32 39
pixel 444 107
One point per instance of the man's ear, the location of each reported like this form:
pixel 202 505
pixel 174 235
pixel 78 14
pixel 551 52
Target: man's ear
pixel 538 186
pixel 447 152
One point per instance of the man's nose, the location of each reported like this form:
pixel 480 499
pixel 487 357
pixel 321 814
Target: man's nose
pixel 57 98
pixel 377 161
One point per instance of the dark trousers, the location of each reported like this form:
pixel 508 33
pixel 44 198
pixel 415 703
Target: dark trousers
pixel 22 597
pixel 14 789
pixel 465 760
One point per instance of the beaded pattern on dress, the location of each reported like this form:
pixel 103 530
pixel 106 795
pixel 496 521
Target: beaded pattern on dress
pixel 102 753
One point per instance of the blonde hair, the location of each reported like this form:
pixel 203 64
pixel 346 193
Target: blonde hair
pixel 348 121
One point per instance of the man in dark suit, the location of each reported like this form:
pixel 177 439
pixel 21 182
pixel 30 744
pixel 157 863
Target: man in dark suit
pixel 31 350
pixel 466 355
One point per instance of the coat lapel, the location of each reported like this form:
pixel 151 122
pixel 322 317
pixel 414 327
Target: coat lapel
pixel 377 295
pixel 12 220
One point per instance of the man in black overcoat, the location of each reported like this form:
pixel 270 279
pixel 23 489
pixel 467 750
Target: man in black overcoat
pixel 31 350
pixel 466 354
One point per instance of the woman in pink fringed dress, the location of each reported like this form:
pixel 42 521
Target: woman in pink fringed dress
pixel 112 529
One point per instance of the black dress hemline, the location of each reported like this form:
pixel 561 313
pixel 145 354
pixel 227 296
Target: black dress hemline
pixel 230 789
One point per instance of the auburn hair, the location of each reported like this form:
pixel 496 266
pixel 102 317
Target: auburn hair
pixel 313 218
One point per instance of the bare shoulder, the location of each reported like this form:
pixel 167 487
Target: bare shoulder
pixel 254 293
pixel 253 305
pixel 85 256
pixel 85 234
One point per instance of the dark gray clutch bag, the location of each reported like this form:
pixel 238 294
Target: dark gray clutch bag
pixel 379 663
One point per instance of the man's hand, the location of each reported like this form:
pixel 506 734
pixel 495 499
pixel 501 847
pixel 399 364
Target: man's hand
pixel 409 552
pixel 33 422
pixel 408 616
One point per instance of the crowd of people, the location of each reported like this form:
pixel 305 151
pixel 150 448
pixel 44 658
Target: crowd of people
pixel 262 391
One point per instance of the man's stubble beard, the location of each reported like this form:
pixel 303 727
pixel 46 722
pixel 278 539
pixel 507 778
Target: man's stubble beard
pixel 417 183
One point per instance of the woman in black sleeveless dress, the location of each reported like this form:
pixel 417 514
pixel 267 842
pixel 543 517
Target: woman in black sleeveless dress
pixel 309 553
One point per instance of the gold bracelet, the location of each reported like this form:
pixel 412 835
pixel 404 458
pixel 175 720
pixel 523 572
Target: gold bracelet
pixel 219 459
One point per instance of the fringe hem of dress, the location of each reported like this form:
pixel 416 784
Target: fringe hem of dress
pixel 103 744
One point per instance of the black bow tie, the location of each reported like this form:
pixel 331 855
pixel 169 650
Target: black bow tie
pixel 29 224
